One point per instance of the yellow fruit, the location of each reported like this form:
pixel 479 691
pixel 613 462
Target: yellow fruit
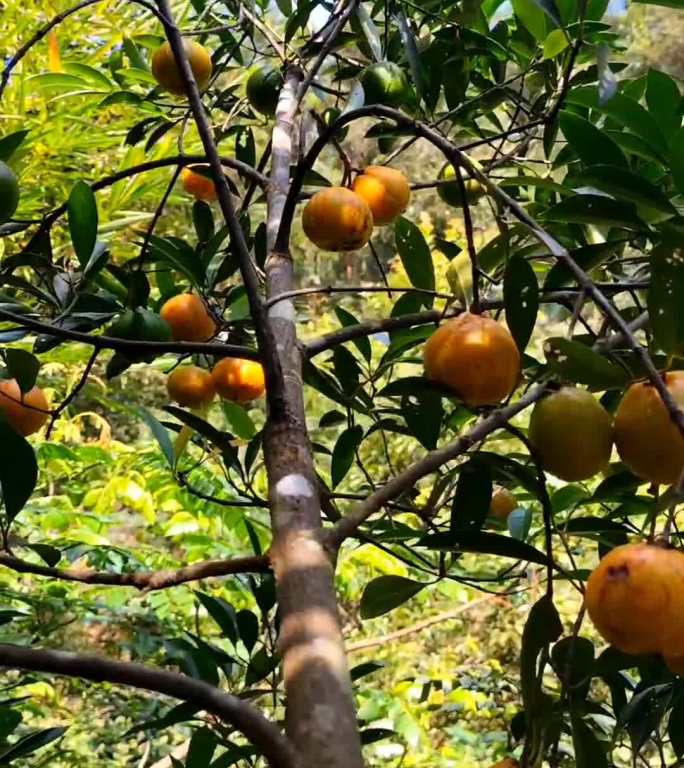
pixel 239 380
pixel 459 275
pixel 190 386
pixel 629 597
pixel 571 433
pixel 167 74
pixel 451 193
pixel 337 219
pixel 647 439
pixel 198 185
pixel 188 318
pixel 25 412
pixel 475 357
pixel 386 191
pixel 502 504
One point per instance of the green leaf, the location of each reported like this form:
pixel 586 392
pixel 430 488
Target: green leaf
pixel 543 627
pixel 386 593
pixel 556 42
pixel 347 320
pixel 588 257
pixel 240 421
pixel 18 470
pixel 370 31
pixel 423 414
pixel 201 750
pixel 663 99
pixel 472 498
pixel 521 300
pixel 22 366
pixel 344 452
pixel 9 144
pixel 677 159
pixel 589 752
pixel 485 543
pixel 588 142
pixel 30 743
pixel 666 298
pixel 160 434
pixel 580 364
pixel 595 209
pixel 415 254
pixel 675 728
pixel 223 614
pixel 532 17
pixel 9 720
pixel 628 186
pixel 82 213
pixel 203 220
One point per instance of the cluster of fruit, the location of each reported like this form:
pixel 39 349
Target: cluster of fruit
pixel 572 433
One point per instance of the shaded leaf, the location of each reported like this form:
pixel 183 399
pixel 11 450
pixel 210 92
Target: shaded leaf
pixel 344 452
pixel 160 434
pixel 31 743
pixel 385 593
pixel 18 470
pixel 590 143
pixel 415 254
pixel 22 366
pixel 666 298
pixel 486 543
pixel 473 496
pixel 82 214
pixel 521 300
pixel 579 363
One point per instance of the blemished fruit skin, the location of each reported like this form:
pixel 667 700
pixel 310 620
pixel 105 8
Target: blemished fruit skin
pixel 9 192
pixel 188 318
pixel 198 185
pixel 572 434
pixel 20 410
pixel 337 219
pixel 385 83
pixel 647 439
pixel 451 193
pixel 385 190
pixel 634 598
pixel 167 74
pixel 263 89
pixel 190 386
pixel 239 380
pixel 475 357
pixel 502 504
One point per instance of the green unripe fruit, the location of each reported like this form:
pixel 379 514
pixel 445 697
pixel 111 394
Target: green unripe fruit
pixel 140 325
pixel 263 89
pixel 451 193
pixel 329 116
pixel 9 192
pixel 385 83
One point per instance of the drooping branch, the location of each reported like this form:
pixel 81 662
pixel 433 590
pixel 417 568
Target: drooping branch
pixel 146 581
pixel 131 346
pixel 240 714
pixel 394 487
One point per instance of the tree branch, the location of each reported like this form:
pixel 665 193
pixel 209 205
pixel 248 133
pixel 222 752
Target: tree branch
pixel 240 714
pixel 146 581
pixel 132 345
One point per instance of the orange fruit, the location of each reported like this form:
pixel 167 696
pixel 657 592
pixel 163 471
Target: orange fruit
pixel 190 386
pixel 572 434
pixel 24 412
pixel 502 504
pixel 630 598
pixel 239 380
pixel 507 762
pixel 475 357
pixel 199 186
pixel 337 219
pixel 167 74
pixel 647 439
pixel 188 318
pixel 386 191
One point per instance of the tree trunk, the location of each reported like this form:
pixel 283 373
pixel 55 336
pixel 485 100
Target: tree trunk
pixel 321 718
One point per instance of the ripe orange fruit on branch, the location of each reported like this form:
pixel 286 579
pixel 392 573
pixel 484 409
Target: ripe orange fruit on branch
pixel 190 386
pixel 188 318
pixel 386 191
pixel 25 412
pixel 508 762
pixel 198 185
pixel 450 193
pixel 475 357
pixel 167 73
pixel 647 439
pixel 337 219
pixel 239 380
pixel 9 192
pixel 634 598
pixel 571 433
pixel 502 504
pixel 263 89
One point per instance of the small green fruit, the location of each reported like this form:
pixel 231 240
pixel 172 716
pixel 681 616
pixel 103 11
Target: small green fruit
pixel 385 83
pixel 263 89
pixel 451 193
